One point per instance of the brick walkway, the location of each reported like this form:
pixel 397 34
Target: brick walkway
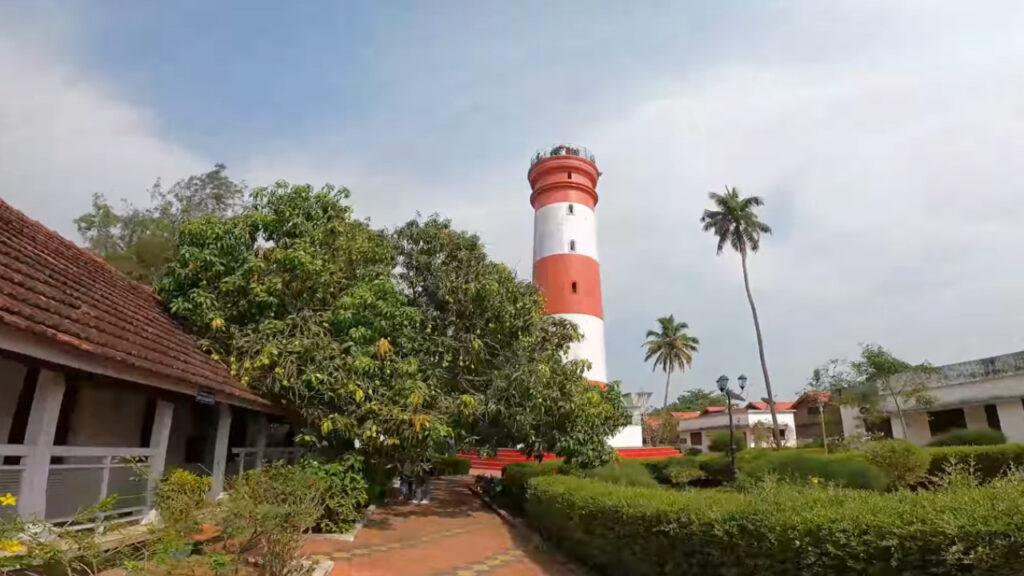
pixel 454 535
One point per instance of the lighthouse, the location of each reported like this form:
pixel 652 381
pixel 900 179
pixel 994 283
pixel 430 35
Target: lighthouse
pixel 566 268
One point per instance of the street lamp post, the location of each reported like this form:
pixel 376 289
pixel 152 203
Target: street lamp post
pixel 723 387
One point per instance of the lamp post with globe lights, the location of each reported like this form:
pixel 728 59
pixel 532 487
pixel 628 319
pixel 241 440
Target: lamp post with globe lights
pixel 723 387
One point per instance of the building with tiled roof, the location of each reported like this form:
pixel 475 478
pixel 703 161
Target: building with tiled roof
pixel 94 373
pixel 749 420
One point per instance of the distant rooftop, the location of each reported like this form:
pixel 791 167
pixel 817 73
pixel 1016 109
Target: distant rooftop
pixel 563 150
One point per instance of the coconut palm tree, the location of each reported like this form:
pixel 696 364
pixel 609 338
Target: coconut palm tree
pixel 734 221
pixel 671 348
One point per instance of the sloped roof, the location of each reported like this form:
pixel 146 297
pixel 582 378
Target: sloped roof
pixel 56 290
pixel 779 405
pixel 811 396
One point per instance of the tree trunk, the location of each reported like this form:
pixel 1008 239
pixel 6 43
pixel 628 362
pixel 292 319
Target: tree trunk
pixel 824 429
pixel 899 412
pixel 760 350
pixel 668 380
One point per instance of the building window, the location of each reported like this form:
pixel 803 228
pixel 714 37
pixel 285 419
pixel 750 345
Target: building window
pixel 571 209
pixel 568 175
pixel 992 417
pixel 573 287
pixel 696 439
pixel 940 421
pixel 572 245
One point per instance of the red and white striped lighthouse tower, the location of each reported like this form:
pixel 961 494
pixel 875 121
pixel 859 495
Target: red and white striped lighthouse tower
pixel 565 264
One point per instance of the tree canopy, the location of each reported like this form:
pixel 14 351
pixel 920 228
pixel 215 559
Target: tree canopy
pixel 403 343
pixel 671 348
pixel 140 242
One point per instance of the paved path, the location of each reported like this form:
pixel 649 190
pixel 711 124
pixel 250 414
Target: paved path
pixel 454 535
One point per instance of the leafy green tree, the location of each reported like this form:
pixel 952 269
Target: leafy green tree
pixel 696 400
pixel 671 348
pixel 734 221
pixel 491 343
pixel 141 241
pixel 402 344
pixel 876 376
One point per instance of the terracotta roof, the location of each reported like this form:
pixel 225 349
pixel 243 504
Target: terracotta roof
pixel 779 405
pixel 685 415
pixel 55 289
pixel 811 396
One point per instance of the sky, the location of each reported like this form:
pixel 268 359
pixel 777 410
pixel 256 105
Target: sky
pixel 886 138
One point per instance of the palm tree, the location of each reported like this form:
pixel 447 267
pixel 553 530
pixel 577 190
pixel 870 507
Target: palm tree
pixel 734 221
pixel 671 347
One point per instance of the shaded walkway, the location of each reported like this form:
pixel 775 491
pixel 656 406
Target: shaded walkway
pixel 455 535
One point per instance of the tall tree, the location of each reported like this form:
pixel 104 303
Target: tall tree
pixel 141 241
pixel 696 400
pixel 878 376
pixel 735 222
pixel 671 348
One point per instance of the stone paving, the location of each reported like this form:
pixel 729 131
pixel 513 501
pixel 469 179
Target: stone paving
pixel 454 535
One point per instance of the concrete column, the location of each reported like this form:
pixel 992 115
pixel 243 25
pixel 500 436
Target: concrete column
pixel 259 421
pixel 1011 419
pixel 853 424
pixel 975 416
pixel 220 450
pixel 917 427
pixel 39 434
pixel 158 441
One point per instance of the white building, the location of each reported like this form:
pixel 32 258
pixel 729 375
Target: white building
pixel 985 393
pixel 96 380
pixel 696 428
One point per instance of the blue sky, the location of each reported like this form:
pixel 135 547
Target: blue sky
pixel 886 138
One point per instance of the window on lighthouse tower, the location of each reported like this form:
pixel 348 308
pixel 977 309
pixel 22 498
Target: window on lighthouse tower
pixel 571 209
pixel 572 245
pixel 573 287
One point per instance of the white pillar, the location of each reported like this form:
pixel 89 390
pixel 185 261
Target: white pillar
pixel 1011 419
pixel 975 416
pixel 220 451
pixel 39 434
pixel 917 432
pixel 853 424
pixel 158 441
pixel 261 424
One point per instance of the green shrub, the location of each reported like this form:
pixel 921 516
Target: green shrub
pixel 268 510
pixel 989 462
pixel 905 463
pixel 625 473
pixel 692 451
pixel 801 466
pixel 782 530
pixel 719 442
pixel 675 471
pixel 344 492
pixel 180 497
pixel 514 478
pixel 451 466
pixel 716 467
pixel 971 437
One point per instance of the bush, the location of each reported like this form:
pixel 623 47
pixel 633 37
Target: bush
pixel 676 472
pixel 782 530
pixel 972 437
pixel 515 477
pixel 179 498
pixel 268 510
pixel 344 492
pixel 625 473
pixel 451 466
pixel 692 451
pixel 802 467
pixel 989 462
pixel 719 442
pixel 716 467
pixel 905 463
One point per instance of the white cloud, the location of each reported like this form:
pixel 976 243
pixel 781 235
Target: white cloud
pixel 64 136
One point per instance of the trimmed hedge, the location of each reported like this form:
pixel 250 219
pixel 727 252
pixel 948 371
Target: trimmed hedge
pixel 782 529
pixel 514 479
pixel 451 466
pixel 624 472
pixel 989 461
pixel 971 437
pixel 847 471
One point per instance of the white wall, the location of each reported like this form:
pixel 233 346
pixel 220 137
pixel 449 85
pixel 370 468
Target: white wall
pixel 631 436
pixel 554 228
pixel 591 347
